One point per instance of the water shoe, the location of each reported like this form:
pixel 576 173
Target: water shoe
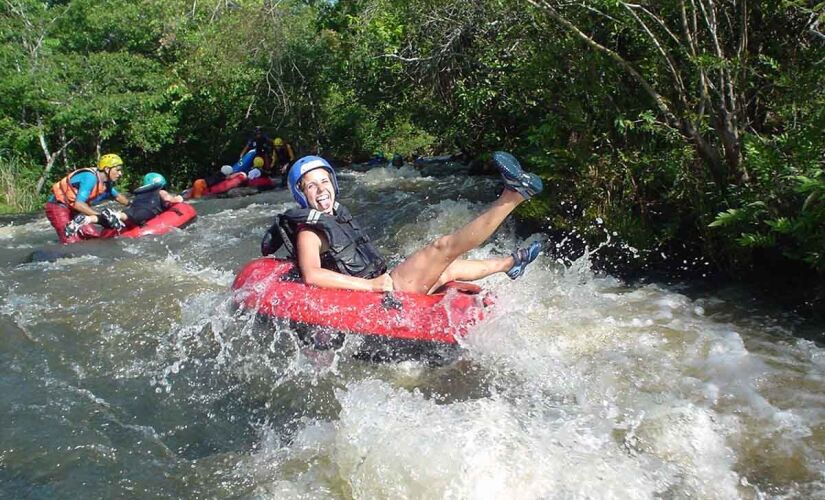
pixel 524 256
pixel 74 225
pixel 515 178
pixel 108 218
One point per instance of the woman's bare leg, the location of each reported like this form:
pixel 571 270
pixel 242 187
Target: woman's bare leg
pixel 421 271
pixel 471 270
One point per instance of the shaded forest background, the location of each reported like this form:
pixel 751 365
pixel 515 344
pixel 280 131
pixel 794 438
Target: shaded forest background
pixel 688 127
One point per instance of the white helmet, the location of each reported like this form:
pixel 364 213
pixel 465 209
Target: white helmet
pixel 254 174
pixel 226 170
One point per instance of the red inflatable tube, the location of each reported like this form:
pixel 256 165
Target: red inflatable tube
pixel 235 180
pixel 263 183
pixel 177 215
pixel 271 287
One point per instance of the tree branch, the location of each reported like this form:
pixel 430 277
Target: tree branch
pixel 671 65
pixel 672 120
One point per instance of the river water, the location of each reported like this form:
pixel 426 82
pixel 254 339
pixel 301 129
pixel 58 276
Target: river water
pixel 125 371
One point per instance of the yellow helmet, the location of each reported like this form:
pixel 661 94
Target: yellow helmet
pixel 278 141
pixel 258 162
pixel 109 161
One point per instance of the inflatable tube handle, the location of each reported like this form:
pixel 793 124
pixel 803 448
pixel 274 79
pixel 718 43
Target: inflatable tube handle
pixel 390 301
pixel 272 240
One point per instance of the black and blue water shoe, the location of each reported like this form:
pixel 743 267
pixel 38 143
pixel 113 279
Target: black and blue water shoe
pixel 515 178
pixel 524 256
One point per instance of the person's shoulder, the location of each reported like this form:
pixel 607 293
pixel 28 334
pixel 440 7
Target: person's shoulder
pixel 84 176
pixel 309 234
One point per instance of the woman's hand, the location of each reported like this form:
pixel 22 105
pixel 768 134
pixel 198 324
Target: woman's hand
pixel 382 283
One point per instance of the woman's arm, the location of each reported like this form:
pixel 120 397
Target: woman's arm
pixel 309 262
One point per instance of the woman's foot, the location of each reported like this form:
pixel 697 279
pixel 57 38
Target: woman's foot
pixel 524 256
pixel 515 178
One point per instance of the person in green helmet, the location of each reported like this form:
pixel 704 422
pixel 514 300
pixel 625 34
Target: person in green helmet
pixel 149 201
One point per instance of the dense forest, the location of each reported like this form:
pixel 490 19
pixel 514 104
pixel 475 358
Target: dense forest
pixel 696 125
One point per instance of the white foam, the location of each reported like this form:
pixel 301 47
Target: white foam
pixel 391 443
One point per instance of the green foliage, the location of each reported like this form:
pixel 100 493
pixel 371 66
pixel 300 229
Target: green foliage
pixel 175 86
pixel 735 216
pixel 407 138
pixel 794 224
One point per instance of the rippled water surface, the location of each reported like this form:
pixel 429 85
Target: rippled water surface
pixel 125 371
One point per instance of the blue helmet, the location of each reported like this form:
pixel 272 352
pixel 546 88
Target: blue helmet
pixel 154 179
pixel 301 167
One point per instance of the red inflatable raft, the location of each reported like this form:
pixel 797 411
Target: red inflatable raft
pixel 263 183
pixel 231 182
pixel 272 287
pixel 177 215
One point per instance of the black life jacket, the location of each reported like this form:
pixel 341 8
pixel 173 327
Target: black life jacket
pixel 146 203
pixel 214 179
pixel 350 250
pixel 262 145
pixel 283 154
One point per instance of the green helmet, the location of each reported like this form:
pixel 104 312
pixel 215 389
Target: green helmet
pixel 154 179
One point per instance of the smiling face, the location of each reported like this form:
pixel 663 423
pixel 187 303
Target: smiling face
pixel 319 190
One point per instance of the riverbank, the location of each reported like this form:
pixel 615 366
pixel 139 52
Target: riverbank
pixel 778 284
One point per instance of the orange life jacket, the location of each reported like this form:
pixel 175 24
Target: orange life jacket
pixel 65 193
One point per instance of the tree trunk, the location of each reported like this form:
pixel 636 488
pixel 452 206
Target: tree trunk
pixel 50 158
pixel 65 150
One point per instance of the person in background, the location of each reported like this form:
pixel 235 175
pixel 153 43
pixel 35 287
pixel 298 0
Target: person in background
pixel 332 251
pixel 201 186
pixel 397 160
pixel 259 163
pixel 284 156
pixel 149 201
pixel 79 191
pixel 262 145
pixel 377 158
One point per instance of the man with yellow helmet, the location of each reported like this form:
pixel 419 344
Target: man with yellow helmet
pixel 283 156
pixel 79 191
